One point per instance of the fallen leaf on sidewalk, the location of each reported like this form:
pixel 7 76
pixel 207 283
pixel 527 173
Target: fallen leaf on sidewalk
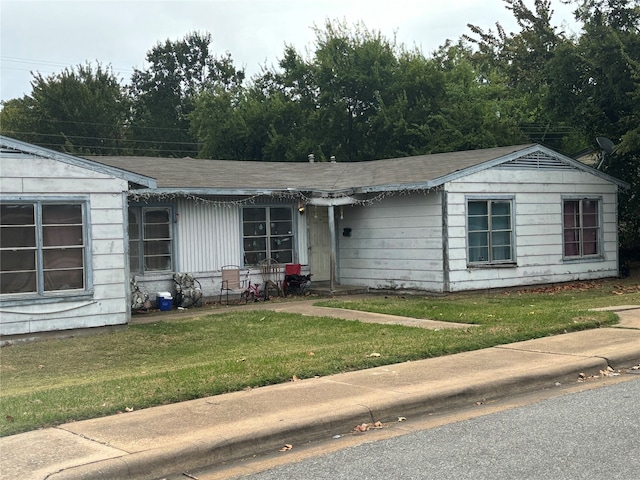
pixel 287 447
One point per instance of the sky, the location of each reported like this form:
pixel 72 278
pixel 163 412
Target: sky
pixel 46 36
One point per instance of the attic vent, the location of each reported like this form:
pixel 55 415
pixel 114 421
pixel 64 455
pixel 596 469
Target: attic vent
pixel 537 161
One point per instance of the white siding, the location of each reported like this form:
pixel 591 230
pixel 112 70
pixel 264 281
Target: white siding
pixel 34 177
pixel 394 244
pixel 538 227
pixel 208 237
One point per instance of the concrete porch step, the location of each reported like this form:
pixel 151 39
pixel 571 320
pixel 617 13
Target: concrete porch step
pixel 324 289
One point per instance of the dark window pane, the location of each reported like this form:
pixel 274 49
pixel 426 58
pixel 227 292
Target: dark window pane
pixel 500 208
pixel 499 239
pixel 280 213
pixel 63 280
pixel 254 258
pixel 134 225
pixel 62 258
pixel 478 208
pixel 477 254
pixel 17 214
pixel 478 239
pixel 254 214
pixel 18 282
pixel 157 231
pixel 157 263
pixel 156 216
pixel 255 244
pixel 61 214
pixel 13 260
pixel 17 236
pixel 253 229
pixel 158 247
pixel 62 236
pixel 499 222
pixel 501 253
pixel 478 223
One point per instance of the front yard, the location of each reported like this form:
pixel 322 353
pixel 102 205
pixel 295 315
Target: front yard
pixel 52 382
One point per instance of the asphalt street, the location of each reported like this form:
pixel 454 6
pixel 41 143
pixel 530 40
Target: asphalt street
pixel 591 435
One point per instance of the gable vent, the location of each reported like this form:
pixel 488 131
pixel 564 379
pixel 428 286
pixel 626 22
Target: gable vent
pixel 537 161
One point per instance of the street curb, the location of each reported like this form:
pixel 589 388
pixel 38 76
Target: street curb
pixel 269 438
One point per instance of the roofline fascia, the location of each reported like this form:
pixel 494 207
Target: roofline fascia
pixel 77 161
pixel 213 191
pixel 495 162
pixel 307 192
pixel 583 166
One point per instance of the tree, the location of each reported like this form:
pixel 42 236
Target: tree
pixel 520 61
pixel 596 86
pixel 81 110
pixel 164 93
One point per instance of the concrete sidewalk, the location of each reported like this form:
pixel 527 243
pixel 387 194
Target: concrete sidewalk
pixel 160 441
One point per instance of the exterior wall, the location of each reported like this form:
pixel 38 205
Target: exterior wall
pixel 395 244
pixel 208 237
pixel 537 204
pixel 108 301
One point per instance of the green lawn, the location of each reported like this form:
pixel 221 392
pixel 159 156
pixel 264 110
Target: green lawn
pixel 51 382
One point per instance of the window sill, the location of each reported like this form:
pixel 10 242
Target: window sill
pixel 481 266
pixel 11 300
pixel 593 258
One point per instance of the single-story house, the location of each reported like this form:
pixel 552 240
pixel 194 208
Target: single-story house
pixel 480 219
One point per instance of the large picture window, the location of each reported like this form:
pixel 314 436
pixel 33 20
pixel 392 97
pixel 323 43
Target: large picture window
pixel 581 227
pixel 150 239
pixel 490 231
pixel 267 232
pixel 42 247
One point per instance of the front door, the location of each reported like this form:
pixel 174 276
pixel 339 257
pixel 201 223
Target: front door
pixel 320 255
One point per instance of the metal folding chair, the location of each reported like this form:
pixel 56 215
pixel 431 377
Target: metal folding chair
pixel 231 281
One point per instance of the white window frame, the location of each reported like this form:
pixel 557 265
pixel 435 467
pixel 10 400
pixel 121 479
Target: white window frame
pixel 580 229
pixel 490 261
pixel 268 236
pixel 139 238
pixel 41 292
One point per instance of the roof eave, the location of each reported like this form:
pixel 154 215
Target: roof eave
pixel 77 161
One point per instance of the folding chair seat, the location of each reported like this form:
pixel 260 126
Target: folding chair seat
pixel 231 281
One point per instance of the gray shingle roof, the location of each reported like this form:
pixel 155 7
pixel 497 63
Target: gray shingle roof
pixel 376 175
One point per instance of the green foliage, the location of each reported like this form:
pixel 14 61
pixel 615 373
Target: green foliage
pixel 163 94
pixel 81 110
